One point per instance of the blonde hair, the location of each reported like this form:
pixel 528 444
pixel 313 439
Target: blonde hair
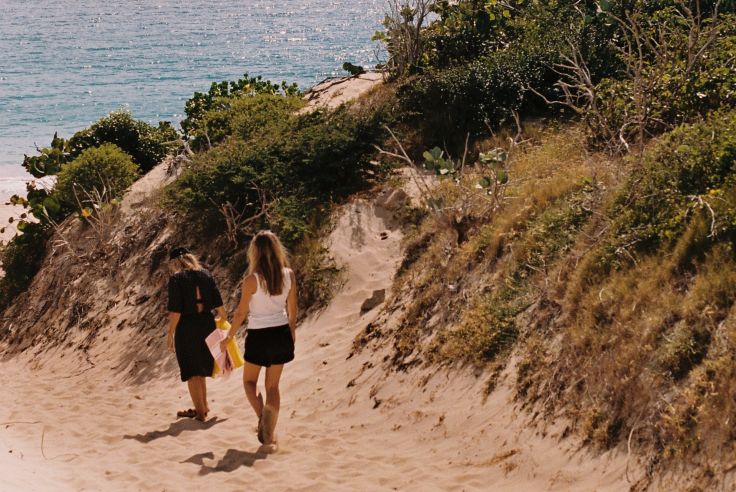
pixel 268 258
pixel 187 261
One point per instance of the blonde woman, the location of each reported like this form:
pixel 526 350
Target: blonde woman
pixel 269 304
pixel 193 295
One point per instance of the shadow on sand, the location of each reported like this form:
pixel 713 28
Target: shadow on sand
pixel 175 428
pixel 232 460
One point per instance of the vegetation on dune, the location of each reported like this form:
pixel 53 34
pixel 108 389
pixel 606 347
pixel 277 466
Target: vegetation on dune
pixel 203 106
pixel 608 263
pixel 146 144
pixel 266 165
pixel 651 304
pixel 582 212
pixel 93 169
pixel 104 171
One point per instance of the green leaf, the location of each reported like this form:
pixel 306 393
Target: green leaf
pixel 52 205
pixel 603 6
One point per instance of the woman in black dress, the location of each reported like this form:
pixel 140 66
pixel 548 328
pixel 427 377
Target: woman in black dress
pixel 193 295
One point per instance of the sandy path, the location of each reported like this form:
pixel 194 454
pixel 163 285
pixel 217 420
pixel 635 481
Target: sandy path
pixel 345 423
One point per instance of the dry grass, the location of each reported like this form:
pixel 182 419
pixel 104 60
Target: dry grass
pixel 642 351
pixel 487 281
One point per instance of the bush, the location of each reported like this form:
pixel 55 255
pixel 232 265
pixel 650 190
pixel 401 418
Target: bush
pixel 668 87
pixel 244 117
pixel 301 162
pixel 482 93
pixel 687 171
pixel 104 170
pixel 465 30
pixel 21 258
pixel 201 104
pixel 146 144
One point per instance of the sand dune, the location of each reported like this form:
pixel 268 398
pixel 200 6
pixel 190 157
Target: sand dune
pixel 346 423
pixel 104 419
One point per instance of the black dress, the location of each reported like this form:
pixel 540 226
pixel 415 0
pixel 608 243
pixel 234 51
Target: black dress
pixel 196 321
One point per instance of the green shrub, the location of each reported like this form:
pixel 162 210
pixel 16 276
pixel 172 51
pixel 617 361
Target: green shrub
pixel 200 105
pixel 687 171
pixel 303 161
pixel 470 89
pixel 104 158
pixel 671 89
pixel 244 117
pixel 146 144
pixel 105 170
pixel 466 30
pixel 21 258
pixel 471 97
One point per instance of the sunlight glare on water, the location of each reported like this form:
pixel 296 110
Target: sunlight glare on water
pixel 66 63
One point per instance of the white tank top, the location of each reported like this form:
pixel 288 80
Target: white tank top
pixel 268 311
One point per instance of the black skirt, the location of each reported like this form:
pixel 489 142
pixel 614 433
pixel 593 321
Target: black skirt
pixel 192 353
pixel 269 346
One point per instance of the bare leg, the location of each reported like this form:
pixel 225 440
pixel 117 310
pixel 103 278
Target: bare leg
pixel 250 381
pixel 204 396
pixel 273 398
pixel 195 391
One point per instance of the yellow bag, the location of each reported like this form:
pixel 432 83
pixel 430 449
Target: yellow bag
pixel 232 348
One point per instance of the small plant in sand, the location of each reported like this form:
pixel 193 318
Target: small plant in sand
pixel 477 192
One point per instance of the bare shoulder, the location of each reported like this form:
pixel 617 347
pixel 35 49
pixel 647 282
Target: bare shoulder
pixel 250 283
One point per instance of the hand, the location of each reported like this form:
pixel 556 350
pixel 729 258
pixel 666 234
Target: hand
pixel 170 344
pixel 223 345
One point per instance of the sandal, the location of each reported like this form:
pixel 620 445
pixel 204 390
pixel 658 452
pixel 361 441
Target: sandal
pixel 191 413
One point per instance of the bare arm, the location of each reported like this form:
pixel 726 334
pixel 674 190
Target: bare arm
pixel 292 305
pixel 241 312
pixel 221 312
pixel 173 321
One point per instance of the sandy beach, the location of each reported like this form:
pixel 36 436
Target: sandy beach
pixel 83 422
pixel 12 182
pixel 97 413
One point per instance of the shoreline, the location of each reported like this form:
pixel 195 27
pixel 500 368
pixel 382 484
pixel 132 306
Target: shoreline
pixel 12 182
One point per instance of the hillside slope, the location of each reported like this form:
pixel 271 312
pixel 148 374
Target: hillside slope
pixel 347 420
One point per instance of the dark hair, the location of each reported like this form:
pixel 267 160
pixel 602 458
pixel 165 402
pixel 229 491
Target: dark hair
pixel 178 251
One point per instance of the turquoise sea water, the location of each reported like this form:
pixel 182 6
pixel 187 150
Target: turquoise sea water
pixel 66 63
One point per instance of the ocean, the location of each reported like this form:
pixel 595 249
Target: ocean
pixel 66 63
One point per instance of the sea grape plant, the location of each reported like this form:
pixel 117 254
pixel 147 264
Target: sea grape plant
pixel 435 160
pixel 202 102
